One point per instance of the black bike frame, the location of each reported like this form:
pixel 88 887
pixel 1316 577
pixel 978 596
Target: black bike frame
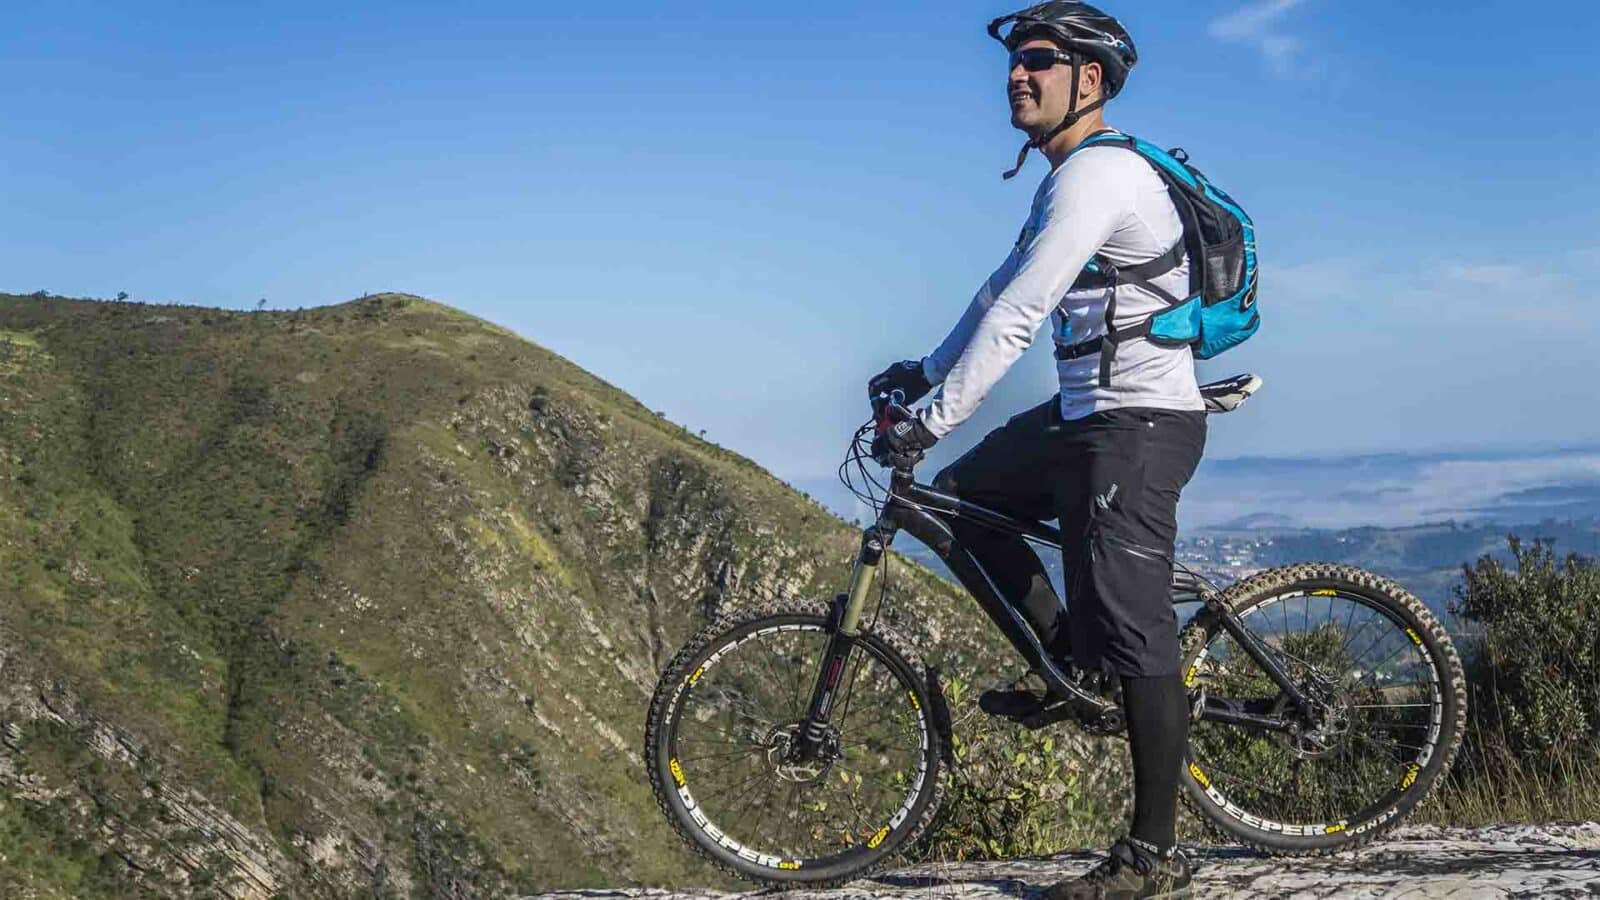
pixel 926 513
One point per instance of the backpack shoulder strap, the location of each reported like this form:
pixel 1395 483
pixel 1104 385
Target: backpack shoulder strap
pixel 1143 274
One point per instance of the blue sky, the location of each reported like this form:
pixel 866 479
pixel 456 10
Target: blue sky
pixel 737 212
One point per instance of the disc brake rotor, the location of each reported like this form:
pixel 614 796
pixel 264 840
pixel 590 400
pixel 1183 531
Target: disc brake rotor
pixel 780 740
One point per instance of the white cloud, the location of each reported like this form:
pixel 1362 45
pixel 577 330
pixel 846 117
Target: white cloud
pixel 1322 279
pixel 1258 24
pixel 1491 275
pixel 1393 491
pixel 1545 297
pixel 1253 21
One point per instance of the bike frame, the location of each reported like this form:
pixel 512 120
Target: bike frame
pixel 926 513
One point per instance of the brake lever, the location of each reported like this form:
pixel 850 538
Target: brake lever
pixel 887 409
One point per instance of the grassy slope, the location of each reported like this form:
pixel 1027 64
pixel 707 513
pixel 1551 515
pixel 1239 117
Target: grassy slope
pixel 378 574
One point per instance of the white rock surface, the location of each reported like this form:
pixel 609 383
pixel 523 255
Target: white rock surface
pixel 1544 861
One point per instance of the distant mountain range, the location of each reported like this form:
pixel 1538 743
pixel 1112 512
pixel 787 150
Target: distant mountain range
pixel 1390 490
pixel 1413 517
pixel 1395 490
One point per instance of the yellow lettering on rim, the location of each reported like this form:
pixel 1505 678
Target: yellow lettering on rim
pixel 1325 593
pixel 1335 828
pixel 914 703
pixel 1188 680
pixel 1415 638
pixel 677 771
pixel 787 864
pixel 1199 775
pixel 878 838
pixel 1411 776
pixel 697 673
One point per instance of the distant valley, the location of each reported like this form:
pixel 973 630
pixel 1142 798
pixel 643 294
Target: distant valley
pixel 1416 518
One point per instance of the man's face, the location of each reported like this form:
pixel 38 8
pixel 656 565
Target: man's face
pixel 1040 100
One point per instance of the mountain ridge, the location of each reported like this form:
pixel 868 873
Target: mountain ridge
pixel 371 595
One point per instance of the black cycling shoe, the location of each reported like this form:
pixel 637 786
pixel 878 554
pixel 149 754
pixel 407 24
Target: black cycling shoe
pixel 1129 873
pixel 1024 696
pixel 1028 694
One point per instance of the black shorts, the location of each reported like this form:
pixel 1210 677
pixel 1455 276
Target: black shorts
pixel 1112 479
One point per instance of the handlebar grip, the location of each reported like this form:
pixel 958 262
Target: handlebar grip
pixel 887 409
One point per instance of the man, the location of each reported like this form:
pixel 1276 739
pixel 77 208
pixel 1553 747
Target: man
pixel 1110 454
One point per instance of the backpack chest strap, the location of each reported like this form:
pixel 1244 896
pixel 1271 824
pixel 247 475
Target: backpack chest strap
pixel 1104 273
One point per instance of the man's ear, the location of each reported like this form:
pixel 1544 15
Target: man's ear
pixel 1089 85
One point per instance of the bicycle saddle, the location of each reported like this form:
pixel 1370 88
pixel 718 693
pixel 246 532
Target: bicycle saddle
pixel 1229 393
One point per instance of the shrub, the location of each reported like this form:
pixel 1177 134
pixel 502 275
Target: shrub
pixel 1535 670
pixel 1015 792
pixel 1532 746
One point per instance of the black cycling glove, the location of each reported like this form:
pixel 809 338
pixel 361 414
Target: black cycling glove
pixel 906 377
pixel 901 444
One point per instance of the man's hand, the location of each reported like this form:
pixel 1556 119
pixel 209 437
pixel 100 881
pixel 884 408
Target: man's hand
pixel 906 377
pixel 901 444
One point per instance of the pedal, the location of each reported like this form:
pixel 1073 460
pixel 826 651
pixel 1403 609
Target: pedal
pixel 1107 719
pixel 1048 716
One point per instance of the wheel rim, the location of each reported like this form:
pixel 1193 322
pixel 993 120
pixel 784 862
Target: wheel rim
pixel 1376 729
pixel 732 721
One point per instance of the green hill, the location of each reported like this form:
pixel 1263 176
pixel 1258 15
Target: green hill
pixel 365 600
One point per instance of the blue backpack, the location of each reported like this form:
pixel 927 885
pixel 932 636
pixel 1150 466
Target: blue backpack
pixel 1220 311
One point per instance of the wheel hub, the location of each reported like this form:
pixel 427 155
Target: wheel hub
pixel 1326 726
pixel 781 742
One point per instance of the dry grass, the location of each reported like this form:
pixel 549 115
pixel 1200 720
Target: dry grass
pixel 1492 784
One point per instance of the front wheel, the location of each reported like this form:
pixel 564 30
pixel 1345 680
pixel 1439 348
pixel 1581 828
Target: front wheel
pixel 1386 712
pixel 725 714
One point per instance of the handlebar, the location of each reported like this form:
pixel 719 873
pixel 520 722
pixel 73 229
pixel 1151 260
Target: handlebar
pixel 887 410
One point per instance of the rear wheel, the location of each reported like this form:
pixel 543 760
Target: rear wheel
pixel 725 714
pixel 1389 708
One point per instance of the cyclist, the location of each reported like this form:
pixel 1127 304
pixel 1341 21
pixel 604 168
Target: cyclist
pixel 1110 454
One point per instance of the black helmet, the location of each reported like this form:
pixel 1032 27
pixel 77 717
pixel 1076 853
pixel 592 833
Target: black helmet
pixel 1076 27
pixel 1083 31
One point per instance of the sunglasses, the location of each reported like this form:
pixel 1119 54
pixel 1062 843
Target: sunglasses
pixel 1038 59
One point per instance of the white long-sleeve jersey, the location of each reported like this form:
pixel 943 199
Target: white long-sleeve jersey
pixel 1106 200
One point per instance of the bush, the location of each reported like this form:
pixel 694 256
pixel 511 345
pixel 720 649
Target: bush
pixel 1015 792
pixel 1532 746
pixel 1536 668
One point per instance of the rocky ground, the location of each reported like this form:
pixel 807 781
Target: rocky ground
pixel 1543 861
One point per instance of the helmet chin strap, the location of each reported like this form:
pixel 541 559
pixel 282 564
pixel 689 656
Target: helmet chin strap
pixel 1074 115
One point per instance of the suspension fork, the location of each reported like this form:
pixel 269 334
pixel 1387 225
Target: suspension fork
pixel 844 628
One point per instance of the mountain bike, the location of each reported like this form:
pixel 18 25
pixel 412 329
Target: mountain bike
pixel 797 742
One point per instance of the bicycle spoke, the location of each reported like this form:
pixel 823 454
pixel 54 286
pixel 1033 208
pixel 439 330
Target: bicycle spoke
pixel 874 777
pixel 753 748
pixel 744 743
pixel 1211 769
pixel 766 807
pixel 1350 636
pixel 1386 745
pixel 777 679
pixel 728 790
pixel 739 819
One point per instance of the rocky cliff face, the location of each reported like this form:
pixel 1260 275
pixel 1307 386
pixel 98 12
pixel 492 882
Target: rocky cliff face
pixel 365 600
